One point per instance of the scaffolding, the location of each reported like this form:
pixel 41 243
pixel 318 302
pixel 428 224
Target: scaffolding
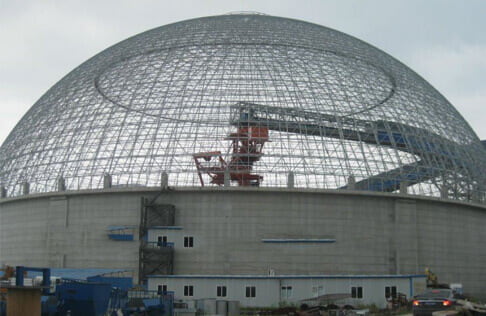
pixel 155 258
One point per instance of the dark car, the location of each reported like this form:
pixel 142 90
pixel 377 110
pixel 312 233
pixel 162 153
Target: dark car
pixel 433 300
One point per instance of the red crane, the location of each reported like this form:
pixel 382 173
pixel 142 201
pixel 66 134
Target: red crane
pixel 246 149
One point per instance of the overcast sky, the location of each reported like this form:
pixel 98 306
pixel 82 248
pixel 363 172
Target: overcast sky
pixel 442 40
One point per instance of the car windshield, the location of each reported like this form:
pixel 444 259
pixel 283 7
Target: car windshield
pixel 435 294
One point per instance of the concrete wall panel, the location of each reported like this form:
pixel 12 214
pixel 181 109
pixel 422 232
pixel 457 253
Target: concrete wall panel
pixel 374 233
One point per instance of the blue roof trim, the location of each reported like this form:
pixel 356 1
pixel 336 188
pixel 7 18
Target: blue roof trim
pixel 166 227
pixel 80 274
pixel 298 241
pixel 277 277
pixel 120 227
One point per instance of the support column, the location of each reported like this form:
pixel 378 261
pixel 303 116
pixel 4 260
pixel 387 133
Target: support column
pixel 164 181
pixel 351 183
pixel 25 188
pixel 444 192
pixel 107 181
pixel 61 184
pixel 404 187
pixel 3 192
pixel 227 178
pixel 290 180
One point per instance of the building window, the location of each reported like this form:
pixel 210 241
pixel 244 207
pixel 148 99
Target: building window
pixel 357 292
pixel 161 289
pixel 390 292
pixel 250 291
pixel 162 241
pixel 188 290
pixel 317 290
pixel 286 291
pixel 188 242
pixel 221 291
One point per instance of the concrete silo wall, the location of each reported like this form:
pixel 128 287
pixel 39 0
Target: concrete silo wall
pixel 254 231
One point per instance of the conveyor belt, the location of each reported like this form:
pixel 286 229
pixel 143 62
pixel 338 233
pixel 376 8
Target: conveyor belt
pixel 424 144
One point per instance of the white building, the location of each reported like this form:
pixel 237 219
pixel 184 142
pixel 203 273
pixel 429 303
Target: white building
pixel 265 291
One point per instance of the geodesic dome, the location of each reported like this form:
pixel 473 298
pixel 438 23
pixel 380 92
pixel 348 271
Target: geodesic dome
pixel 339 113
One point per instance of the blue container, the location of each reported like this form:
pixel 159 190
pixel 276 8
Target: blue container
pixel 48 306
pixel 82 298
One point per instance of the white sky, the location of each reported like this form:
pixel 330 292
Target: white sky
pixel 442 40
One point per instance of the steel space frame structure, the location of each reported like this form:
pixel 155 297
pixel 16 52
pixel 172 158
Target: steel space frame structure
pixel 336 109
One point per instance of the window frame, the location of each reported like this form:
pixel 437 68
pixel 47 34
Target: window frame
pixel 221 291
pixel 318 290
pixel 357 292
pixel 391 291
pixel 162 240
pixel 250 291
pixel 188 290
pixel 162 288
pixel 188 242
pixel 286 291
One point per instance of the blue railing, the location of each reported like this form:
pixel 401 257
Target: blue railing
pixel 122 233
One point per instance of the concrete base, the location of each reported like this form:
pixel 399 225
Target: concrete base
pixel 254 231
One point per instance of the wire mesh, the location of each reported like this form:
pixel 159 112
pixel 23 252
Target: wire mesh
pixel 335 106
